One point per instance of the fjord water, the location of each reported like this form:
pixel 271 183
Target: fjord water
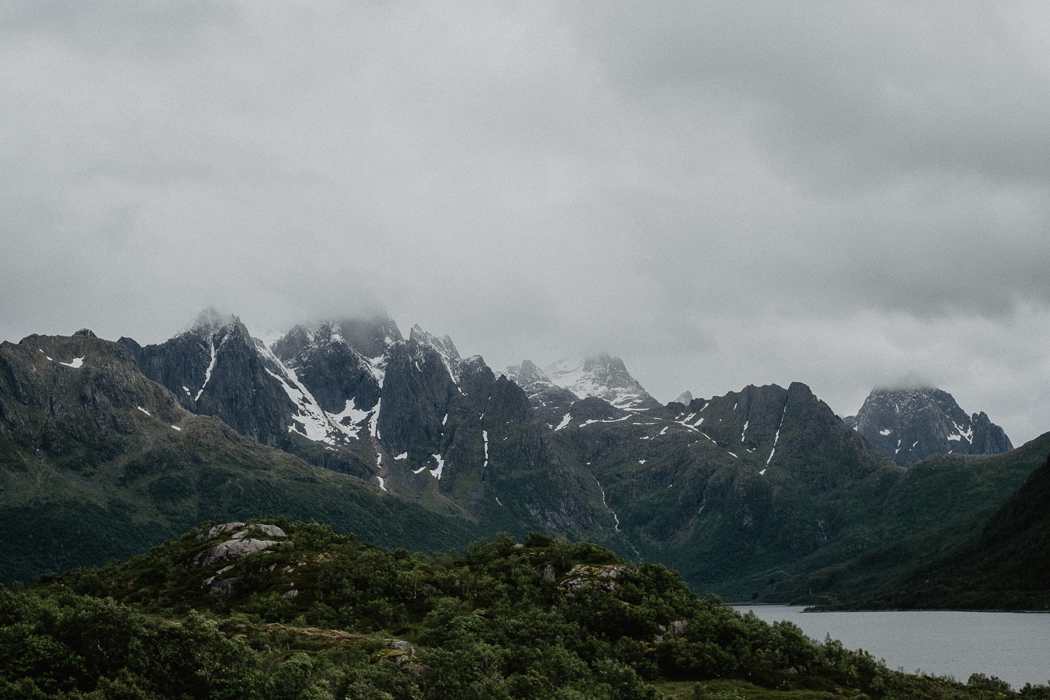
pixel 1013 646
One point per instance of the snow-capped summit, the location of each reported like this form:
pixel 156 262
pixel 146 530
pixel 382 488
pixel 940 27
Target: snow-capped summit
pixel 549 400
pixel 330 375
pixel 909 425
pixel 553 389
pixel 604 377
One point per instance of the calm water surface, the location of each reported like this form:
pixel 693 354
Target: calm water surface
pixel 1013 646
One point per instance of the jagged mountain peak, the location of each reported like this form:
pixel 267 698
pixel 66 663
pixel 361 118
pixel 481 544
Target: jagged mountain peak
pixel 210 320
pixel 910 424
pixel 443 345
pixel 549 400
pixel 527 374
pixel 602 376
pixel 371 336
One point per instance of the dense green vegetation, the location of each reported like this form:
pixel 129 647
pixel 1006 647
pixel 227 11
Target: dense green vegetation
pixel 315 614
pixel 1003 565
pixel 895 527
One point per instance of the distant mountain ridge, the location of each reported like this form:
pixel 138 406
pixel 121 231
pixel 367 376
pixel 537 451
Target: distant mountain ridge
pixel 909 425
pixel 767 479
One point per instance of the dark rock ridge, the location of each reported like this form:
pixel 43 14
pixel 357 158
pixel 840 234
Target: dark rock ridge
pixel 215 369
pixel 787 428
pixel 909 425
pixel 67 401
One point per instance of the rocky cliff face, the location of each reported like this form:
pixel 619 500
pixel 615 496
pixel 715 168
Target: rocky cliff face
pixel 789 429
pixel 909 425
pixel 71 401
pixel 215 369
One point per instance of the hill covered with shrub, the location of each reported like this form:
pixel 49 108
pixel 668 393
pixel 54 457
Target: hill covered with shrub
pixel 275 609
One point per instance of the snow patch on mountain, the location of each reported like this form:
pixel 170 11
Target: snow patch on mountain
pixel 436 472
pixel 314 422
pixel 601 376
pixel 211 367
pixel 373 421
pixel 776 438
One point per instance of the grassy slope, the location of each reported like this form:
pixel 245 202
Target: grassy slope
pixel 56 518
pixel 939 505
pixel 1003 564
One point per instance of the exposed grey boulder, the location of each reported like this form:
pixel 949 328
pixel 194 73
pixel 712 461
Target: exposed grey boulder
pixel 545 573
pixel 271 530
pixel 213 532
pixel 233 549
pixel 679 627
pixel 240 529
pixel 401 645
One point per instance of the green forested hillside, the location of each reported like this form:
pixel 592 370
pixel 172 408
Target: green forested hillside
pixel 936 512
pixel 294 610
pixel 1005 564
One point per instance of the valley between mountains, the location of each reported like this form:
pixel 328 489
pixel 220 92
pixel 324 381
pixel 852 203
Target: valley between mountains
pixel 764 494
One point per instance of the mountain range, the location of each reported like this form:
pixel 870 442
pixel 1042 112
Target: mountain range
pixel 108 446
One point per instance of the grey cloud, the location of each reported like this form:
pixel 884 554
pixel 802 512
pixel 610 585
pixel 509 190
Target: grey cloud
pixel 135 30
pixel 849 93
pixel 720 193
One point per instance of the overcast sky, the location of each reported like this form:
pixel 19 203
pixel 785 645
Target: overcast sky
pixel 721 193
